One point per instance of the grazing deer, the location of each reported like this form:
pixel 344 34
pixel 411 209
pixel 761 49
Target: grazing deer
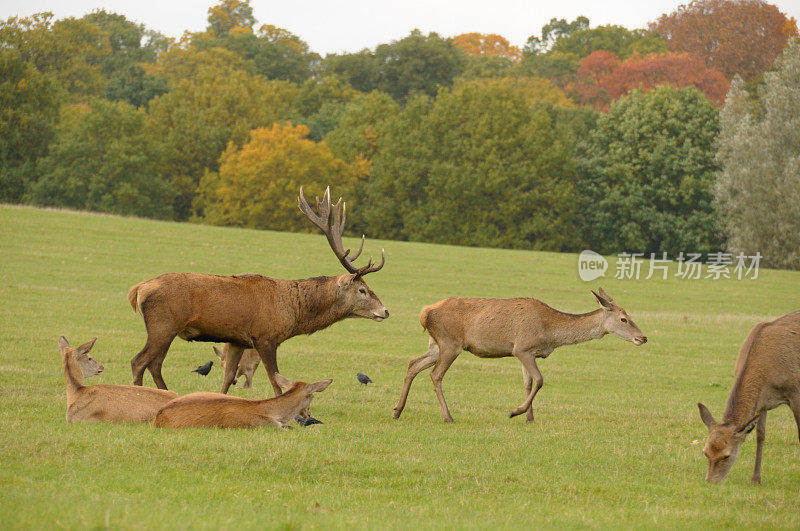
pixel 253 311
pixel 767 375
pixel 496 328
pixel 104 403
pixel 247 365
pixel 222 411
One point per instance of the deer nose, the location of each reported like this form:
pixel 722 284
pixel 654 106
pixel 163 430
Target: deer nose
pixel 386 314
pixel 644 340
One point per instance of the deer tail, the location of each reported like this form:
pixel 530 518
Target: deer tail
pixel 133 296
pixel 423 317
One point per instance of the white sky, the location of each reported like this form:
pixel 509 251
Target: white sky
pixel 330 26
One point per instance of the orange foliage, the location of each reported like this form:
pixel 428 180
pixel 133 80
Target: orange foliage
pixel 603 77
pixel 487 44
pixel 733 36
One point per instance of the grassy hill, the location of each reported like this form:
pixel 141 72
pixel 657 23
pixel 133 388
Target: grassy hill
pixel 611 444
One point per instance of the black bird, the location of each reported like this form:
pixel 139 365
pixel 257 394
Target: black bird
pixel 306 422
pixel 363 378
pixel 204 369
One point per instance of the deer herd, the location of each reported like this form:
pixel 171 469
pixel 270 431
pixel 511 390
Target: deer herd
pixel 252 315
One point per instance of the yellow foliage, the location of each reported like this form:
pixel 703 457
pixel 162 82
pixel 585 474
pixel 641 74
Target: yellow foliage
pixel 257 185
pixel 532 89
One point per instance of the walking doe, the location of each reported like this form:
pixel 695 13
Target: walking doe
pixel 247 364
pixel 525 328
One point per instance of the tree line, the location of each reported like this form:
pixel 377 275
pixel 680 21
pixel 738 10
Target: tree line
pixel 676 137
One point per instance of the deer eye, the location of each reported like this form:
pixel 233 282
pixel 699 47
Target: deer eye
pixel 624 320
pixel 362 291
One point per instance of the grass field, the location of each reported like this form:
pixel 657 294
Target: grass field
pixel 611 445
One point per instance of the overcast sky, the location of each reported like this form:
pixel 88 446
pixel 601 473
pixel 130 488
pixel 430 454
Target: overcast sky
pixel 330 26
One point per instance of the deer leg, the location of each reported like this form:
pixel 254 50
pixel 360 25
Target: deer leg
pixel 794 403
pixel 446 358
pixel 528 360
pixel 528 381
pixel 155 371
pixel 153 350
pixel 268 354
pixel 231 365
pixel 761 432
pixel 416 366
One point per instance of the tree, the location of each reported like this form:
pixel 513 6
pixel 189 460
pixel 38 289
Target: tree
pixel 320 103
pixel 483 44
pixel 105 162
pixel 603 77
pixel 131 84
pixel 531 89
pixel 197 119
pixel 733 36
pixel 72 51
pixel 554 30
pixel 647 174
pixel 356 136
pixel 230 14
pixel 477 166
pixel 414 64
pixel 616 39
pixel 257 184
pixel 29 103
pixel 758 188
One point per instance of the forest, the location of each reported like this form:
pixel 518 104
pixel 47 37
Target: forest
pixel 679 137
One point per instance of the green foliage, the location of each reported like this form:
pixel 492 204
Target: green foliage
pixel 29 105
pixel 230 14
pixel 617 39
pixel 758 187
pixel 320 103
pixel 358 131
pixel 133 85
pixel 477 166
pixel 488 66
pixel 195 121
pixel 105 162
pixel 414 64
pixel 257 185
pixel 73 51
pixel 648 175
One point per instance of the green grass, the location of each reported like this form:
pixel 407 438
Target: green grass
pixel 611 445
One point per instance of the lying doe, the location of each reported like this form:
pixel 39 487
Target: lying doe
pixel 495 328
pixel 247 365
pixel 767 375
pixel 223 411
pixel 104 403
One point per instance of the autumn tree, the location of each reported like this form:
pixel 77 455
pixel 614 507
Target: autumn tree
pixel 228 15
pixel 72 51
pixel 319 104
pixel 733 36
pixel 603 77
pixel 197 119
pixel 257 184
pixel 647 174
pixel 487 44
pixel 758 187
pixel 105 162
pixel 29 103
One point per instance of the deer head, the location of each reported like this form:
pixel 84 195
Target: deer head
pixel 306 392
pixel 617 321
pixel 722 446
pixel 353 292
pixel 89 366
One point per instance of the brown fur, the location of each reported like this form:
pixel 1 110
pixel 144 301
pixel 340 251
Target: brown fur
pixel 247 365
pixel 252 311
pixel 106 403
pixel 767 374
pixel 223 411
pixel 496 328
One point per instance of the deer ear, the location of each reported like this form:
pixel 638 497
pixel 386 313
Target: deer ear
pixel 86 347
pixel 706 416
pixel 748 426
pixel 63 344
pixel 320 386
pixel 606 303
pixel 347 279
pixel 283 382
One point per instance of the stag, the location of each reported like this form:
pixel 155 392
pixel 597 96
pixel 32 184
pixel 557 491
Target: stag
pixel 767 374
pixel 495 328
pixel 253 311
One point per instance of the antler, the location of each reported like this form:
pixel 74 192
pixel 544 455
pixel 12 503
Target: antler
pixel 331 222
